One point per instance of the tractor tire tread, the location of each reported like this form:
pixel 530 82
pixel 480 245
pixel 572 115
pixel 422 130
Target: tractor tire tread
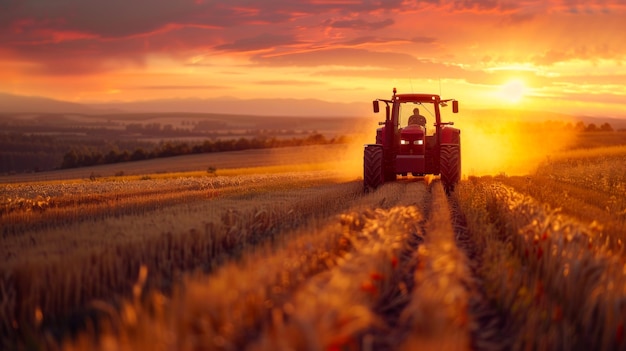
pixel 372 167
pixel 450 166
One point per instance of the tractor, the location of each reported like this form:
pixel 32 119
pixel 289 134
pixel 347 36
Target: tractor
pixel 416 147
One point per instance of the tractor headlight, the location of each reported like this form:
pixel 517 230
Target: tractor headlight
pixel 404 142
pixel 419 142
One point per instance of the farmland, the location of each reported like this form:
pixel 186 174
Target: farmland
pixel 35 142
pixel 294 256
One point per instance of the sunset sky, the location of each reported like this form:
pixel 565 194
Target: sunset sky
pixel 557 55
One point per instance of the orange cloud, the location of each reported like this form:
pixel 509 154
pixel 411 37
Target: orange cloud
pixel 353 47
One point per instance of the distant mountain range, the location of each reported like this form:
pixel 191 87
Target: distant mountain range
pixel 226 105
pixel 35 104
pixel 260 107
pixel 10 103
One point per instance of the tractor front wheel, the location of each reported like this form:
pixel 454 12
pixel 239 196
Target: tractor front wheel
pixel 373 167
pixel 450 166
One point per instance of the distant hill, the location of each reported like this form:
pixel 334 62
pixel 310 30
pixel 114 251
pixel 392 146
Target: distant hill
pixel 258 107
pixel 10 103
pixel 282 107
pixel 226 105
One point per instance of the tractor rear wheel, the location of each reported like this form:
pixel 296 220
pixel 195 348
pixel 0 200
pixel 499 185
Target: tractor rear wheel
pixel 450 166
pixel 373 167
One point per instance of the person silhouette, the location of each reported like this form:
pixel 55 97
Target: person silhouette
pixel 416 118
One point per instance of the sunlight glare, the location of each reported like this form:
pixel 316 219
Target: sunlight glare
pixel 513 91
pixel 502 145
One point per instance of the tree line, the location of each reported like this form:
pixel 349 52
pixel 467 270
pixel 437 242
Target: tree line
pixel 592 127
pixel 75 158
pixel 28 152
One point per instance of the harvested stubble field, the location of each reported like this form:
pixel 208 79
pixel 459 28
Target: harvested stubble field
pixel 305 261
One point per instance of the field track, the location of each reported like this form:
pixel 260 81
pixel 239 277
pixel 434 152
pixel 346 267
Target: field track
pixel 389 237
pixel 306 260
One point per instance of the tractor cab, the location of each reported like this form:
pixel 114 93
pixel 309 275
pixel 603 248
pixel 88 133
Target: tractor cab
pixel 414 140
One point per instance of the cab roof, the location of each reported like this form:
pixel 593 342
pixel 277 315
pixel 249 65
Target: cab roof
pixel 431 98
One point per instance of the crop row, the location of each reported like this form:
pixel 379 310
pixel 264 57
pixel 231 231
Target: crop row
pixel 344 262
pixel 602 170
pixel 559 288
pixel 52 273
pixel 29 207
pixel 378 276
pixel 589 185
pixel 438 315
pixel 606 211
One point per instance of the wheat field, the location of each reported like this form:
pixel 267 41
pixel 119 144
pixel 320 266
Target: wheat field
pixel 280 259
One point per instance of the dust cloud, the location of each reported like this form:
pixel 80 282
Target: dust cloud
pixel 345 159
pixel 491 146
pixel 350 157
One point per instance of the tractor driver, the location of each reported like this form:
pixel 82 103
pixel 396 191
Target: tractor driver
pixel 416 118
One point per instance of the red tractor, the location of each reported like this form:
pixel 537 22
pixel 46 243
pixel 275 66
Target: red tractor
pixel 414 147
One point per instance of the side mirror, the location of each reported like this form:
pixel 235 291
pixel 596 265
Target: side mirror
pixel 376 107
pixel 455 106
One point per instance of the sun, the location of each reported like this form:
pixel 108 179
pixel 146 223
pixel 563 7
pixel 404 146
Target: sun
pixel 512 91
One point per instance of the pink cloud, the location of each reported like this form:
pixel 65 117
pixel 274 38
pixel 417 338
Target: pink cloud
pixel 337 56
pixel 378 38
pixel 361 24
pixel 258 42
